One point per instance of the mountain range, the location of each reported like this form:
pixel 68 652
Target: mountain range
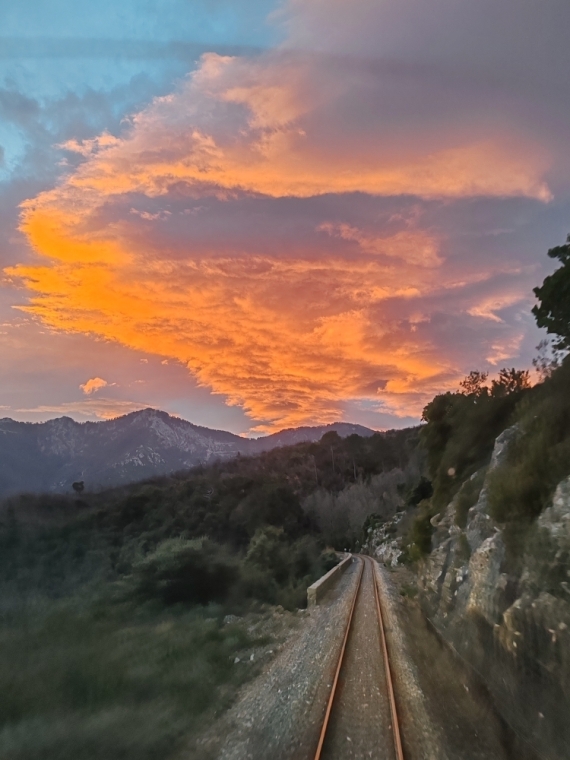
pixel 50 456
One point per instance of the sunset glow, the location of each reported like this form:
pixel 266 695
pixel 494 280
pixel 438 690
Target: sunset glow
pixel 302 230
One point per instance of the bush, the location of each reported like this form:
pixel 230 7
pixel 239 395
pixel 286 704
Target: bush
pixel 417 543
pixel 256 583
pixel 268 551
pixel 423 490
pixel 195 572
pixel 123 733
pixel 278 571
pixel 539 458
pixel 459 437
pixel 462 427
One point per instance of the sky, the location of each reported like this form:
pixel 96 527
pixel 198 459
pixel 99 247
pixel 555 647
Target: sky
pixel 262 214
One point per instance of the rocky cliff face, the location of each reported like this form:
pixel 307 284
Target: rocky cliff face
pixel 513 627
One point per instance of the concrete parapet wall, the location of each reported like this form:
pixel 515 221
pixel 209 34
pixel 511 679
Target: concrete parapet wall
pixel 319 588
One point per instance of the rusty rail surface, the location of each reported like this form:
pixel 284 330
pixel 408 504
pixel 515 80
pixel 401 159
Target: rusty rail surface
pixel 396 734
pixel 338 668
pixel 395 723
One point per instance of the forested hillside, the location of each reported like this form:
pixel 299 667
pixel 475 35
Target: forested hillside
pixel 234 508
pixel 121 612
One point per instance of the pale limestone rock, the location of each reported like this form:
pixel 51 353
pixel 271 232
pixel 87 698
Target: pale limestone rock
pixel 539 626
pixel 514 629
pixel 479 524
pixel 556 518
pixel 502 443
pixel 485 577
pixel 389 552
pixel 382 544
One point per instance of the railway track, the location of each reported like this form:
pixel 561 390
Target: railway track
pixel 352 702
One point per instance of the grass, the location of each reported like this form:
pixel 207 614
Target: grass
pixel 107 680
pixel 408 591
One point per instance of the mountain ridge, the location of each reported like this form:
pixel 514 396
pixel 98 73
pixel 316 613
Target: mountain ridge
pixel 51 455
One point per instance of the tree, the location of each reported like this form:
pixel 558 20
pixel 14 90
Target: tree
pixel 179 571
pixel 474 384
pixel 553 311
pixel 548 360
pixel 510 381
pixel 78 486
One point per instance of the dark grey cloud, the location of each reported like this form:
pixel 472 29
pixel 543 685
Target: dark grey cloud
pixel 515 41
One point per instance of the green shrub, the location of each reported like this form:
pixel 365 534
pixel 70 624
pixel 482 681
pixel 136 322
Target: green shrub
pixel 181 571
pixel 294 595
pixel 417 542
pixel 539 458
pixel 460 433
pixel 268 551
pixel 279 571
pixel 423 490
pixel 329 559
pixel 459 437
pixel 121 733
pixel 255 583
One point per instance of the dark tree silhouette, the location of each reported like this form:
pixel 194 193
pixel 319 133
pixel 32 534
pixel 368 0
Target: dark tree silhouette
pixel 553 311
pixel 474 384
pixel 510 381
pixel 78 486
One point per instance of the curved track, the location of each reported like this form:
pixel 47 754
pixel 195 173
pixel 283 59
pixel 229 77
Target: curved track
pixel 361 718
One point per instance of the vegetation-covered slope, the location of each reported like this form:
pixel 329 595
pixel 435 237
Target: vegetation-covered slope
pixel 112 604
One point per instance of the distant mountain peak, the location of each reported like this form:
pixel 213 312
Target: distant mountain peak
pixel 49 456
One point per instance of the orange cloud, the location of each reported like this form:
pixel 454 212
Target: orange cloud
pixel 287 335
pixel 93 385
pixel 254 330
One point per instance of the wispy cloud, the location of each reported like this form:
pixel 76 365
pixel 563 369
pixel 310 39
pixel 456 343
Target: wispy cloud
pixel 99 408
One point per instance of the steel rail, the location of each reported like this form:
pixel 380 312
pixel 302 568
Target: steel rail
pixel 389 681
pixel 338 668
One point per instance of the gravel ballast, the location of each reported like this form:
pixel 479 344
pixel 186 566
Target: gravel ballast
pixel 279 714
pixel 443 714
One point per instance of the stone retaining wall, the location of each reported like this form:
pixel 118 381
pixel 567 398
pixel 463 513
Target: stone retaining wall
pixel 319 588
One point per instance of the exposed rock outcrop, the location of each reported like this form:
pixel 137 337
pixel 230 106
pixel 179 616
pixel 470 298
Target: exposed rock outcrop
pixel 384 541
pixel 513 627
